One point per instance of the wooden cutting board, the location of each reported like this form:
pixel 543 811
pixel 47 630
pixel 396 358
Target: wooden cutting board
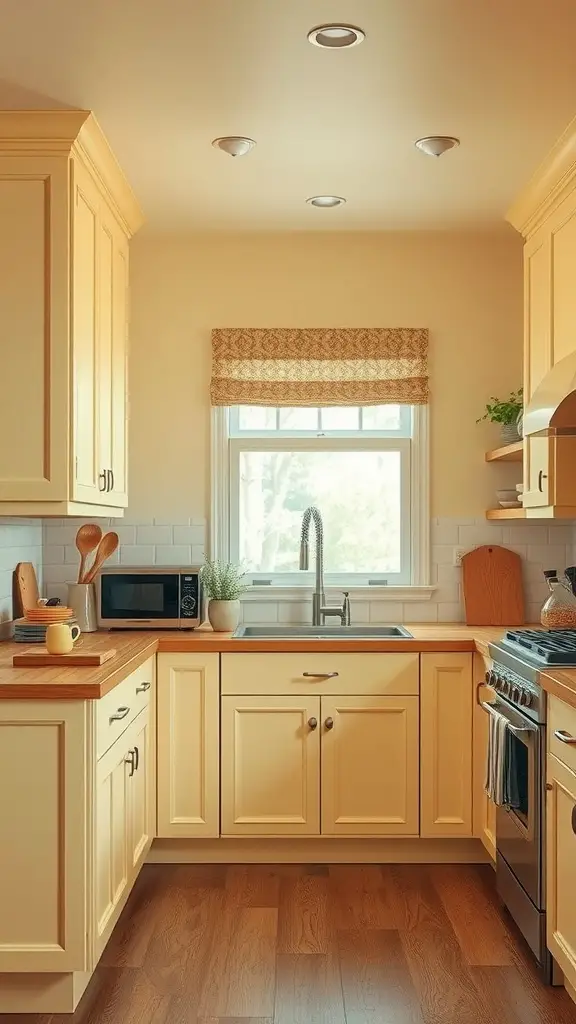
pixel 492 583
pixel 39 657
pixel 25 588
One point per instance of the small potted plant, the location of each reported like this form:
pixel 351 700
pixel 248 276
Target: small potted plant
pixel 507 413
pixel 223 585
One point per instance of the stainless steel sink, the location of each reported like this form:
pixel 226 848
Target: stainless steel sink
pixel 321 633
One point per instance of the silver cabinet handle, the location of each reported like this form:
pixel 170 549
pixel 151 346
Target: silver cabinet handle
pixel 541 476
pixel 119 714
pixel 131 760
pixel 103 476
pixel 137 755
pixel 319 675
pixel 564 737
pixel 143 687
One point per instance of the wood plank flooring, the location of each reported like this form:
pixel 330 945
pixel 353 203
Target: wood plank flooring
pixel 297 944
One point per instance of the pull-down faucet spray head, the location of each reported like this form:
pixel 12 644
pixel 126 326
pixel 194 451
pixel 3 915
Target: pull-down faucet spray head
pixel 304 554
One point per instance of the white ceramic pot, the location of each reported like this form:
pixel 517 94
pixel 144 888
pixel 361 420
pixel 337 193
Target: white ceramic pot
pixel 224 616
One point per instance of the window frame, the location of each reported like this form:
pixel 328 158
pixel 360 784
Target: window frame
pixel 414 585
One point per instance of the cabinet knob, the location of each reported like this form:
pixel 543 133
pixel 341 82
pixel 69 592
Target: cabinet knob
pixel 312 723
pixel 329 723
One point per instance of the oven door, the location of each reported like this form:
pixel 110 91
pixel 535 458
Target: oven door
pixel 137 599
pixel 519 825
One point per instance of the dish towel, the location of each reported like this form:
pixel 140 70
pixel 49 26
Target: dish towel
pixel 497 763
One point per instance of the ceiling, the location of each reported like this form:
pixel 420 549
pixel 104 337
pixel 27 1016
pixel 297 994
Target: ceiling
pixel 164 78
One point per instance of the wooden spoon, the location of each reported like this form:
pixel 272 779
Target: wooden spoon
pixel 87 539
pixel 106 547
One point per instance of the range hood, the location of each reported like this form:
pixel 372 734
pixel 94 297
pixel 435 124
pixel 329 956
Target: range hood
pixel 552 408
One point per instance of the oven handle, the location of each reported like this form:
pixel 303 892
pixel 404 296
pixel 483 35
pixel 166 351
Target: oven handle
pixel 513 728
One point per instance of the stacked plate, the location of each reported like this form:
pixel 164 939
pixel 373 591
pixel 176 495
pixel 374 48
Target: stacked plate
pixel 32 628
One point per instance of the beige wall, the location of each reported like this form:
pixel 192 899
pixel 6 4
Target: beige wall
pixel 467 289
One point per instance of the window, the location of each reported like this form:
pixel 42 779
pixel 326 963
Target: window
pixel 359 465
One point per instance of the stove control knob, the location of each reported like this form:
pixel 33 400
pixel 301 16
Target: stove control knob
pixel 515 693
pixel 489 677
pixel 523 697
pixel 504 686
pixel 529 699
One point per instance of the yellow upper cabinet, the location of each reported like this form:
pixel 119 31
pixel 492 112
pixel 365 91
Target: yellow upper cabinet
pixel 67 214
pixel 545 214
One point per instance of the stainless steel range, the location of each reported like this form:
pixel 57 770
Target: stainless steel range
pixel 520 825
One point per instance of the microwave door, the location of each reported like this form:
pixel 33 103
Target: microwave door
pixel 140 597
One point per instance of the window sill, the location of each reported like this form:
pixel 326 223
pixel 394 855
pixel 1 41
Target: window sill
pixel 390 593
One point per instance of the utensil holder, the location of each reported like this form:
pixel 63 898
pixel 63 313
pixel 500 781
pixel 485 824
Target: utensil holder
pixel 82 601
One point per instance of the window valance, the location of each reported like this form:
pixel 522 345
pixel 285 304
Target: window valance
pixel 316 366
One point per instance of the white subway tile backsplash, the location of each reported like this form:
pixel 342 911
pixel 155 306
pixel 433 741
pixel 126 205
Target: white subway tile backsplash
pixel 53 554
pixel 451 611
pixel 382 612
pixel 137 554
pixel 154 535
pixel 259 612
pixel 20 541
pixel 442 554
pixel 444 531
pixel 525 535
pixel 421 611
pixel 189 535
pixel 473 536
pixel 198 554
pixel 173 554
pixel 550 556
pixel 60 534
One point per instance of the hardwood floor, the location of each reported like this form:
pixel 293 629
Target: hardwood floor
pixel 292 944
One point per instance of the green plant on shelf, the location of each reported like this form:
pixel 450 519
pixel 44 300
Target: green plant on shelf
pixel 505 412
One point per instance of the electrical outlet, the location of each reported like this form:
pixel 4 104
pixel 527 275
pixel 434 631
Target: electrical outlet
pixel 457 556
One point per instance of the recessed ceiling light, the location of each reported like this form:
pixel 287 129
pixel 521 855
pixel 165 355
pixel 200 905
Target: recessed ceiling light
pixel 336 37
pixel 436 145
pixel 234 145
pixel 326 201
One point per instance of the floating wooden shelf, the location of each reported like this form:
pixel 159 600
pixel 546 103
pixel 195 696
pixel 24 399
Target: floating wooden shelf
pixel 506 513
pixel 508 453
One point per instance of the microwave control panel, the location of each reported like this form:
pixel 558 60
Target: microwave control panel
pixel 189 602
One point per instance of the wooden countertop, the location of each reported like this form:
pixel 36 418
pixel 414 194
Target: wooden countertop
pixel 133 648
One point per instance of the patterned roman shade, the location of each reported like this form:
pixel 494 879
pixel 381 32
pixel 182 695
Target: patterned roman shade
pixel 316 366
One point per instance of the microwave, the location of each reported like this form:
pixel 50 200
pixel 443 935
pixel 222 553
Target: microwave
pixel 149 597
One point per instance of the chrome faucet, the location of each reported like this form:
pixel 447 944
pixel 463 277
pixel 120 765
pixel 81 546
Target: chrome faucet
pixel 320 610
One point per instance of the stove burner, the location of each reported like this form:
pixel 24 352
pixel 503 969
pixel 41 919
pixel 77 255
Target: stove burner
pixel 552 647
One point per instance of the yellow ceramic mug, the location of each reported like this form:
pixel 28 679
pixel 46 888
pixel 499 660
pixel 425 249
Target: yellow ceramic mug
pixel 60 638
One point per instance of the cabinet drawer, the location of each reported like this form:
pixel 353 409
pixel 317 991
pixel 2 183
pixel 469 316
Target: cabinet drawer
pixel 323 674
pixel 117 709
pixel 562 718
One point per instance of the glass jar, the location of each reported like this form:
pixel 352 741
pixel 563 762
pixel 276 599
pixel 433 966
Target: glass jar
pixel 559 609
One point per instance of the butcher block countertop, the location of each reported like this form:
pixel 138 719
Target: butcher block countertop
pixel 133 648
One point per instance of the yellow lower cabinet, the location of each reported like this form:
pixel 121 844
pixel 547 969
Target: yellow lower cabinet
pixel 370 765
pixel 141 821
pixel 446 696
pixel 270 765
pixel 112 864
pixel 188 745
pixel 43 836
pixel 561 867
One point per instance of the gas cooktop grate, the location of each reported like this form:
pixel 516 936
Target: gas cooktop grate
pixel 555 647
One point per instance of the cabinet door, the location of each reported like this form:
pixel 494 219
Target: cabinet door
pixel 370 765
pixel 112 358
pixel 563 242
pixel 89 484
pixel 484 810
pixel 34 314
pixel 188 745
pixel 561 866
pixel 140 807
pixel 270 765
pixel 43 829
pixel 112 863
pixel 446 744
pixel 538 472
